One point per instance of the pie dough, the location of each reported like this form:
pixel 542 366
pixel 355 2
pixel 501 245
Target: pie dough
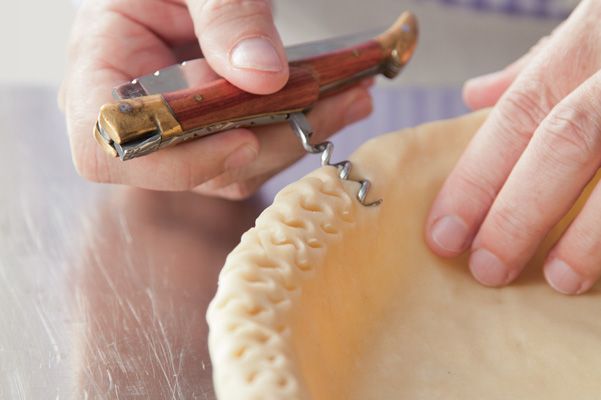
pixel 327 299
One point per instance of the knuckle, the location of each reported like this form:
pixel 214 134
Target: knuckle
pixel 212 186
pixel 186 178
pixel 158 171
pixel 93 30
pixel 525 107
pixel 240 190
pixel 90 168
pixel 476 187
pixel 569 140
pixel 509 223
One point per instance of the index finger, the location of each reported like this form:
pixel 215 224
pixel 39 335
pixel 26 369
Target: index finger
pixel 469 191
pixel 241 43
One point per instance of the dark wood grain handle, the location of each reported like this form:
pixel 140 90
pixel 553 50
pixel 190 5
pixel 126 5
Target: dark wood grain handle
pixel 221 101
pixel 310 79
pixel 342 68
pixel 138 126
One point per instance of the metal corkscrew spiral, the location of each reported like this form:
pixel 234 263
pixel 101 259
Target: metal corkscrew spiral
pixel 301 127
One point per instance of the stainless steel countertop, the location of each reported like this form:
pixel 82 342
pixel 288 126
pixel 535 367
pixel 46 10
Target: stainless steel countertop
pixel 103 288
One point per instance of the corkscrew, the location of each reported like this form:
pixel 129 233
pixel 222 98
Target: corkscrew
pixel 302 128
pixel 176 104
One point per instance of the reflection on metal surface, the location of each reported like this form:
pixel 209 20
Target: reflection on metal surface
pixel 145 277
pixel 103 289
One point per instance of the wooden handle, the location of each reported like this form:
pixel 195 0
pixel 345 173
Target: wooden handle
pixel 310 79
pixel 138 126
pixel 336 68
pixel 221 101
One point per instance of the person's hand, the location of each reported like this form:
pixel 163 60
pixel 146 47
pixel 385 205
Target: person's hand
pixel 529 162
pixel 114 41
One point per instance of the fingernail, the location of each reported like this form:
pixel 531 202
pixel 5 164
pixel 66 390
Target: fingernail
pixel 240 157
pixel 450 233
pixel 256 53
pixel 564 279
pixel 488 269
pixel 358 109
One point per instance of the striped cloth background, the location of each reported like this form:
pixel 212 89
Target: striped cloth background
pixel 535 8
pixel 538 8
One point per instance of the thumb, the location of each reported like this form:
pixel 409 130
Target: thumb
pixel 240 42
pixel 484 91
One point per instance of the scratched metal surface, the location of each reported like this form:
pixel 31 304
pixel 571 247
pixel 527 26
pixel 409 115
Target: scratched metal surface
pixel 103 289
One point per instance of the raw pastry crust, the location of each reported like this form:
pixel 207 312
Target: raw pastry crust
pixel 326 299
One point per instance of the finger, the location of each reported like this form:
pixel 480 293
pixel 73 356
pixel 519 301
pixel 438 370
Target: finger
pixel 484 91
pixel 176 168
pixel 95 72
pixel 170 21
pixel 470 189
pixel 280 147
pixel 239 190
pixel 187 166
pixel 107 47
pixel 241 43
pixel 574 264
pixel 564 154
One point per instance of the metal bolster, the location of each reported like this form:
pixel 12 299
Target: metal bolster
pixel 399 42
pixel 135 127
pixel 161 134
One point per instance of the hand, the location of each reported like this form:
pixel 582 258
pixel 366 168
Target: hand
pixel 529 162
pixel 114 41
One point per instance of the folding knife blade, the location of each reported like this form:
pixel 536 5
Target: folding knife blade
pixel 182 76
